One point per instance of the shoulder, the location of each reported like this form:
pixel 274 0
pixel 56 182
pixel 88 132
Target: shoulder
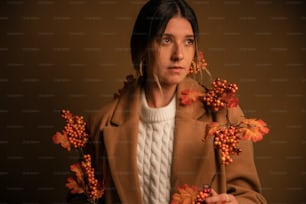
pixel 190 83
pixel 102 116
pixel 117 106
pixel 190 88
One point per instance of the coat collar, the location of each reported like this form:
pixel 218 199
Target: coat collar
pixel 130 101
pixel 121 141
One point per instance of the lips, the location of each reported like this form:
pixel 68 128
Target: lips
pixel 176 67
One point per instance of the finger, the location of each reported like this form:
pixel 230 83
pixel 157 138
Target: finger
pixel 221 198
pixel 226 198
pixel 213 192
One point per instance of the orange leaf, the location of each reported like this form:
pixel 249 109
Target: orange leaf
pixel 77 169
pixel 231 100
pixel 73 185
pixel 189 96
pixel 61 139
pixel 186 195
pixel 212 128
pixel 254 129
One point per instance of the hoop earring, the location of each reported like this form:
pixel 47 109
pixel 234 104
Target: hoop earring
pixel 198 64
pixel 140 71
pixel 193 68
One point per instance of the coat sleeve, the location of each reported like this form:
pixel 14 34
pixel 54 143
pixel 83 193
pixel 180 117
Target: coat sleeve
pixel 241 175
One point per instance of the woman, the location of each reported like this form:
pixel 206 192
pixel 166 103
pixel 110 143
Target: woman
pixel 145 143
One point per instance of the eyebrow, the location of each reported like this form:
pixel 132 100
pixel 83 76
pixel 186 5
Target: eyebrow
pixel 171 35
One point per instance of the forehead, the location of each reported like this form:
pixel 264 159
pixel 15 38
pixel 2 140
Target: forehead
pixel 178 26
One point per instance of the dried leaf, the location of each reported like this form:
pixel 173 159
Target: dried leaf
pixel 77 169
pixel 62 139
pixel 189 96
pixel 186 195
pixel 73 185
pixel 254 130
pixel 212 128
pixel 231 100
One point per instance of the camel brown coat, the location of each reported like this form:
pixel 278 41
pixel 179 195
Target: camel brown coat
pixel 114 131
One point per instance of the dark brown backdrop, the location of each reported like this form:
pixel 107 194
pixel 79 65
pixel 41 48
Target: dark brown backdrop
pixel 74 54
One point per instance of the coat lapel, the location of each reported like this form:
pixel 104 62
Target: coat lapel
pixel 190 153
pixel 121 147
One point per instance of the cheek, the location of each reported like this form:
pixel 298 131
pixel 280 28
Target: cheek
pixel 164 53
pixel 163 57
pixel 189 56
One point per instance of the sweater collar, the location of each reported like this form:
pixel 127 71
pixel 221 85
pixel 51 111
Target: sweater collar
pixel 148 114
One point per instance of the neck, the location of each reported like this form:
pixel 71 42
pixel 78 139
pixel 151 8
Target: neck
pixel 159 96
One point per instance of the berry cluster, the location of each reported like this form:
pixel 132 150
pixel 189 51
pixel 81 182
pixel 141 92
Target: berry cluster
pixel 227 140
pixel 220 94
pixel 75 129
pixel 74 133
pixel 199 65
pixel 92 183
pixel 202 195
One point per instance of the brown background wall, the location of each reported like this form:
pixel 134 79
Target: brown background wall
pixel 74 54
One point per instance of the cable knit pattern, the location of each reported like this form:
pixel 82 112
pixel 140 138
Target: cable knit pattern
pixel 155 147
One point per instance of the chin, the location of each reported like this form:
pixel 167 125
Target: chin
pixel 173 81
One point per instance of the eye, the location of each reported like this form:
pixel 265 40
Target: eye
pixel 189 41
pixel 166 40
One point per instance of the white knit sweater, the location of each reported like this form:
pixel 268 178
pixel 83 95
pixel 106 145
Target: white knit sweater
pixel 154 149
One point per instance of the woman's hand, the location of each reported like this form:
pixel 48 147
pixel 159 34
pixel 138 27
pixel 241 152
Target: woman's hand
pixel 222 198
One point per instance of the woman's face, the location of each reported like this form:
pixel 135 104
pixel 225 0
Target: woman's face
pixel 173 52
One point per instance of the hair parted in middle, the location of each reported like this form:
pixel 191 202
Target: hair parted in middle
pixel 151 23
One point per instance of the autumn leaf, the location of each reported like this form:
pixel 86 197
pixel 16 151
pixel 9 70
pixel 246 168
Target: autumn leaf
pixel 231 100
pixel 186 195
pixel 254 130
pixel 62 139
pixel 77 169
pixel 73 185
pixel 189 96
pixel 212 128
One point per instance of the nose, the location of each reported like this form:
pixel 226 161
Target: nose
pixel 177 53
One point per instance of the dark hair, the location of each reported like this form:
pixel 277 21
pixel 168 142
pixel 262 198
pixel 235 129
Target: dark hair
pixel 151 22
